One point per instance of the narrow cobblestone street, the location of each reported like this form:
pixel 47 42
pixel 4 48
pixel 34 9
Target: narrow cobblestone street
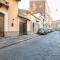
pixel 46 47
pixel 29 30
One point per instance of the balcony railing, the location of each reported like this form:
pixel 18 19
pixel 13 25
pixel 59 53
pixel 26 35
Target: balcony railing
pixel 4 3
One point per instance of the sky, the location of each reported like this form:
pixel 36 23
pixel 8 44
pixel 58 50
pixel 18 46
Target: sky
pixel 54 6
pixel 24 4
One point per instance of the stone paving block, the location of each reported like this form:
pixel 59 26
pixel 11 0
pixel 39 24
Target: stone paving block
pixel 8 41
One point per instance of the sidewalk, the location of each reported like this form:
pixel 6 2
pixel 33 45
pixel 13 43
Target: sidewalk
pixel 8 41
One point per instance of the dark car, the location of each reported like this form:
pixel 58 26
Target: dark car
pixel 42 31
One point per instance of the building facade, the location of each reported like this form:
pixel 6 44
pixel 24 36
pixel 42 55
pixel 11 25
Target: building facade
pixel 30 20
pixel 24 22
pixel 48 18
pixel 37 9
pixel 37 6
pixel 9 23
pixel 56 25
pixel 13 22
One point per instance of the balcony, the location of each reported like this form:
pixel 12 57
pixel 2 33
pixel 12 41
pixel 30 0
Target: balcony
pixel 18 0
pixel 4 3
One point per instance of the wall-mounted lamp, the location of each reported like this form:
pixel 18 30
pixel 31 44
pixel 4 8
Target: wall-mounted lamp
pixel 12 24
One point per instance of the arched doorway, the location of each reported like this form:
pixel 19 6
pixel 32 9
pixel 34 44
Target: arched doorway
pixel 1 24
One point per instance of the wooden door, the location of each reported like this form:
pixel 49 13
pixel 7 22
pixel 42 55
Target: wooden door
pixel 1 25
pixel 25 28
pixel 21 28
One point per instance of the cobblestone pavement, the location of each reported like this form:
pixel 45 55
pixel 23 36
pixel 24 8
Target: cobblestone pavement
pixel 46 47
pixel 8 41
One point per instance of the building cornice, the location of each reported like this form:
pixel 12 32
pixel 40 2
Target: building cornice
pixel 4 4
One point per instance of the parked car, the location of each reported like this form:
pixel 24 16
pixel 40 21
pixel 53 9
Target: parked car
pixel 42 31
pixel 49 30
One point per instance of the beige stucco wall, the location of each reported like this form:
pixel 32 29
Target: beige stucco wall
pixel 13 15
pixel 3 9
pixel 37 6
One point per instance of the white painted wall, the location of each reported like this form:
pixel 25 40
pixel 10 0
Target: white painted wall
pixel 38 15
